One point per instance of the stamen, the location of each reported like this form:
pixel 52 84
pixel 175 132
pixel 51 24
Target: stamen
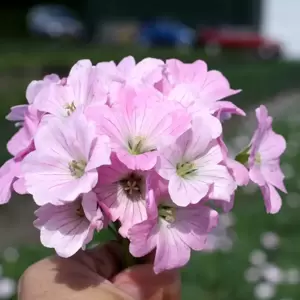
pixel 167 213
pixel 258 158
pixel 77 168
pixel 80 211
pixel 70 108
pixel 133 186
pixel 138 146
pixel 185 169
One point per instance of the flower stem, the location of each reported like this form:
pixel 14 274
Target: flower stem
pixel 113 230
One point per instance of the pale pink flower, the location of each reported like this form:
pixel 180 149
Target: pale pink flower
pixel 123 191
pixel 69 227
pixel 196 87
pixel 8 174
pixel 194 167
pixel 148 71
pixel 264 160
pixel 79 90
pixel 64 164
pixel 138 126
pixel 172 231
pixel 36 86
pixel 238 171
pixel 19 145
pixel 22 142
pixel 142 75
pixel 18 112
pixel 225 109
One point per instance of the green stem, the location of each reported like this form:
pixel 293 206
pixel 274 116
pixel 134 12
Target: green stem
pixel 113 230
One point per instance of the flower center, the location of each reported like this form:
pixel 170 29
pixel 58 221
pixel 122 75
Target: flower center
pixel 77 168
pixel 133 186
pixel 257 158
pixel 167 213
pixel 70 108
pixel 185 169
pixel 80 211
pixel 138 146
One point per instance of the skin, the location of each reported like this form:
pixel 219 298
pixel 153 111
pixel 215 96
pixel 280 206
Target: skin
pixel 95 274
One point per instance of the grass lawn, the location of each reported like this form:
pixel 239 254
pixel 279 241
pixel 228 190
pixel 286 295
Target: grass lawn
pixel 259 254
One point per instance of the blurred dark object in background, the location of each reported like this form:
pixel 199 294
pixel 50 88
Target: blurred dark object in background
pixel 166 32
pixel 215 40
pixel 55 21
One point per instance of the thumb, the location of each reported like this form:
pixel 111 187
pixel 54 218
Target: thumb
pixel 142 283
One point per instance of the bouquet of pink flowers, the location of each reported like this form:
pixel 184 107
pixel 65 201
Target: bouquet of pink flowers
pixel 137 148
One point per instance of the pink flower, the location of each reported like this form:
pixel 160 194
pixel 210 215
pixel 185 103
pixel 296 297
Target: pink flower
pixel 148 71
pixel 22 142
pixel 238 171
pixel 36 86
pixel 194 167
pixel 123 191
pixel 264 160
pixel 138 126
pixel 18 112
pixel 19 145
pixel 69 227
pixel 64 164
pixel 114 78
pixel 80 89
pixel 173 231
pixel 8 174
pixel 196 87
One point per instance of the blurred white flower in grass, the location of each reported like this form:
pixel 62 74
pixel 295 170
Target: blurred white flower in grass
pixel 270 240
pixel 292 276
pixel 257 257
pixel 227 220
pixel 264 290
pixel 11 254
pixel 7 288
pixel 293 200
pixel 221 238
pixel 252 275
pixel 273 274
pixel 288 170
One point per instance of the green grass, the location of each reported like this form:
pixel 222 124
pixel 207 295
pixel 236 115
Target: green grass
pixel 209 276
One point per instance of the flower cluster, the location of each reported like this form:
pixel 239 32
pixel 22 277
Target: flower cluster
pixel 139 145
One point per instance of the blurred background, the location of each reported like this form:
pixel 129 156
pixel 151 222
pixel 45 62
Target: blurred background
pixel 255 43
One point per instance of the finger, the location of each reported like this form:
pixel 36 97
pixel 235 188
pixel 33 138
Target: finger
pixel 66 279
pixel 143 284
pixel 107 259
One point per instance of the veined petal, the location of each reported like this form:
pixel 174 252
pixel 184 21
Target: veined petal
pixel 171 251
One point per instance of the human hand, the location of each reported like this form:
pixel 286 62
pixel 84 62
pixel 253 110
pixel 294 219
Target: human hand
pixel 95 274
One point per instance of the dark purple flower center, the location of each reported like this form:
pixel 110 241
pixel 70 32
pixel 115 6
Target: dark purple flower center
pixel 80 212
pixel 133 186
